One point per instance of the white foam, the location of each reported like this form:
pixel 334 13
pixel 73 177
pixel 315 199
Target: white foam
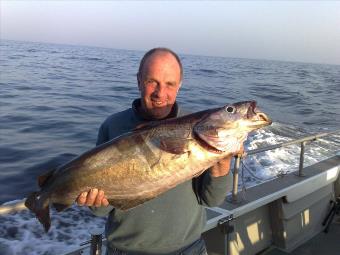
pixel 274 163
pixel 21 233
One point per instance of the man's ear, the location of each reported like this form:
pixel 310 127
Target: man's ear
pixel 139 81
pixel 180 85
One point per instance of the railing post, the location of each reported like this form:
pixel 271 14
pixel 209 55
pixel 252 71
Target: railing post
pixel 96 242
pixel 226 229
pixel 235 178
pixel 302 157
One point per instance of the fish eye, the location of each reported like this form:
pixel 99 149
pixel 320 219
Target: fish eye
pixel 230 109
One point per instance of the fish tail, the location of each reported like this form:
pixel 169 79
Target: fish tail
pixel 40 207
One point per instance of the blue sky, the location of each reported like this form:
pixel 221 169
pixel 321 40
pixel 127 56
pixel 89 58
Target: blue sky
pixel 306 31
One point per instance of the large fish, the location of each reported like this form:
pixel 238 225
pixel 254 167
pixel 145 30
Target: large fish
pixel 138 166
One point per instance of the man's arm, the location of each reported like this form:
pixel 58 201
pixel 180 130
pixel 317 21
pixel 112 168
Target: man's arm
pixel 213 186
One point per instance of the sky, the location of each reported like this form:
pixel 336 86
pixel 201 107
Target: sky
pixel 302 31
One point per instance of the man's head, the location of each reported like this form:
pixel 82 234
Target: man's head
pixel 159 79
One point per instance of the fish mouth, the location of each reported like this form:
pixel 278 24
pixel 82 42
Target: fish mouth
pixel 262 117
pixel 257 117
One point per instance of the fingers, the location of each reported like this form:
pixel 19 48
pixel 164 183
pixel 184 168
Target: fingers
pixel 94 197
pixel 99 198
pixel 105 202
pixel 91 197
pixel 81 200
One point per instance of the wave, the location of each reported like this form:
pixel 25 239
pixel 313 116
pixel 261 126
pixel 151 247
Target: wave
pixel 22 233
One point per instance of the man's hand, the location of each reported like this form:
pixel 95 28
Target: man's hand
pixel 94 197
pixel 222 167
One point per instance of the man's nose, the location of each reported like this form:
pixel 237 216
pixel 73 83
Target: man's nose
pixel 160 90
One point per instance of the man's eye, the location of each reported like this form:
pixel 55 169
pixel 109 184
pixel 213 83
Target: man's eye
pixel 151 82
pixel 171 85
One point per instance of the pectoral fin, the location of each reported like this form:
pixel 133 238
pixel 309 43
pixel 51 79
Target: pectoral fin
pixel 174 145
pixel 60 207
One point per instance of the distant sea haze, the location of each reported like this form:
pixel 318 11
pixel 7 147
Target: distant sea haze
pixel 53 99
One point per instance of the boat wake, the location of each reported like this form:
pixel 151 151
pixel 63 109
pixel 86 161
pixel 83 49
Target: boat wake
pixel 21 233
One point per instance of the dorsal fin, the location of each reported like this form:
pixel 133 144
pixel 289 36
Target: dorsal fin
pixel 146 125
pixel 194 117
pixel 42 179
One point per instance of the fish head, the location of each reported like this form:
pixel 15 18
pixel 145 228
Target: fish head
pixel 226 128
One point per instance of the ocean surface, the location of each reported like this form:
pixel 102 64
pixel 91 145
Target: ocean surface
pixel 54 97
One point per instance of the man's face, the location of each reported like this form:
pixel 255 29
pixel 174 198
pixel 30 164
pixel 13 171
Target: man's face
pixel 158 83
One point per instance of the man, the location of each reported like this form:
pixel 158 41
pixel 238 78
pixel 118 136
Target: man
pixel 173 222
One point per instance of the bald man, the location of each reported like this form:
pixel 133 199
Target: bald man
pixel 172 223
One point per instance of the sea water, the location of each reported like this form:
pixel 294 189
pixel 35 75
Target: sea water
pixel 54 97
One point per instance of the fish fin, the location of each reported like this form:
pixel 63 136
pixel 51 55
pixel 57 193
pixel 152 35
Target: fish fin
pixel 126 204
pixel 42 179
pixel 43 216
pixel 174 146
pixel 30 201
pixel 35 203
pixel 59 207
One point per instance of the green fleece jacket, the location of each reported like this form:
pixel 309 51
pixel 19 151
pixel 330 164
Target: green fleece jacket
pixel 173 220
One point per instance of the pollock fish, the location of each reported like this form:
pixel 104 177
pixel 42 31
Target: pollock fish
pixel 140 165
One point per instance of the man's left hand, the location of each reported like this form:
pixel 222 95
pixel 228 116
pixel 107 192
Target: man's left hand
pixel 222 167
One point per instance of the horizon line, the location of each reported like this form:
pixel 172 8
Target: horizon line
pixel 180 53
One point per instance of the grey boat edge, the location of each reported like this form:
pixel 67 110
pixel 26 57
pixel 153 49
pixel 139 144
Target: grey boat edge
pixel 281 216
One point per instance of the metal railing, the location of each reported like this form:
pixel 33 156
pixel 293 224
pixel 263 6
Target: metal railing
pixel 15 207
pixel 302 142
pixel 96 238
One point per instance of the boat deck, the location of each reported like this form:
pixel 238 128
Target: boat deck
pixel 297 196
pixel 323 243
pixel 257 206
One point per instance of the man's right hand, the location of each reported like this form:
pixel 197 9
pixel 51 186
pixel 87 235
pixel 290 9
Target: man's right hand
pixel 94 197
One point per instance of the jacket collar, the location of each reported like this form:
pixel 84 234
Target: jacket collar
pixel 136 105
